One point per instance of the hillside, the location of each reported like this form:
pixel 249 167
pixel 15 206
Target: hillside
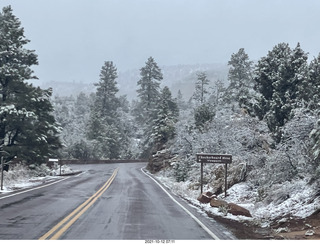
pixel 177 77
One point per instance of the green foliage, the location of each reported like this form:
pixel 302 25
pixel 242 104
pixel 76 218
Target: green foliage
pixel 146 111
pixel 27 127
pixel 280 78
pixel 240 77
pixel 314 79
pixel 106 102
pixel 167 115
pixel 149 84
pixel 181 170
pixel 202 115
pixel 104 129
pixel 201 88
pixel 81 149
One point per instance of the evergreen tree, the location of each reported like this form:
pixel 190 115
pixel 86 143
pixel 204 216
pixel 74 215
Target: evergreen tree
pixel 27 128
pixel 167 114
pixel 240 77
pixel 218 94
pixel 314 79
pixel 149 84
pixel 203 113
pixel 146 109
pixel 201 88
pixel 106 101
pixel 103 123
pixel 180 101
pixel 280 78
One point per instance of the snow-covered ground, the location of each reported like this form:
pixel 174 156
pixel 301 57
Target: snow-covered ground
pixel 298 203
pixel 21 177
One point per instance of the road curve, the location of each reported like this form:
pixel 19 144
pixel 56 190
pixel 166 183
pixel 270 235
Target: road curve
pixel 131 206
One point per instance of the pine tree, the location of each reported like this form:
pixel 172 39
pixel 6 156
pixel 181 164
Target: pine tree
pixel 27 128
pixel 106 101
pixel 149 84
pixel 240 77
pixel 167 114
pixel 314 80
pixel 146 108
pixel 201 88
pixel 180 101
pixel 280 78
pixel 103 122
pixel 203 113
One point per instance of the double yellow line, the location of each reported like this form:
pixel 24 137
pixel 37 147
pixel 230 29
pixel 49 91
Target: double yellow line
pixel 64 224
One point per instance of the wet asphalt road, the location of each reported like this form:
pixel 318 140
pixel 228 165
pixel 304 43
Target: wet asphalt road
pixel 132 206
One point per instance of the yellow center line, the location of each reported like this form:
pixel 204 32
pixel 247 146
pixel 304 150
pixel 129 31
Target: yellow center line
pixel 77 212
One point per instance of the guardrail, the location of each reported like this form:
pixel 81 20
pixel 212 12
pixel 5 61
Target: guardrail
pixel 101 161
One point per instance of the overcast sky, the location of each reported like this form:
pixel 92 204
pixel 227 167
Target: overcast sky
pixel 73 38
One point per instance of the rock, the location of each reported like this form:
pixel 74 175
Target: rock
pixel 216 203
pixel 237 210
pixel 309 233
pixel 210 194
pixel 159 160
pixel 205 197
pixel 282 230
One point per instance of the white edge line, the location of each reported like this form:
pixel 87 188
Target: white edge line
pixel 186 210
pixel 39 187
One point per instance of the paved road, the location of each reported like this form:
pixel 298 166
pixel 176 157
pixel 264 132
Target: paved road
pixel 107 201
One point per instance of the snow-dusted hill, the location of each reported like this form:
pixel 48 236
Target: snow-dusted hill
pixel 177 77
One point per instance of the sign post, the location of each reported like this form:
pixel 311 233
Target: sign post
pixel 1 173
pixel 55 160
pixel 216 159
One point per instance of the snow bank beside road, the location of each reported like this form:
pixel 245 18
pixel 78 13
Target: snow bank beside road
pixel 297 202
pixel 21 176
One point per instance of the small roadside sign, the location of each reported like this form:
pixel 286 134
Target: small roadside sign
pixel 53 160
pixel 214 158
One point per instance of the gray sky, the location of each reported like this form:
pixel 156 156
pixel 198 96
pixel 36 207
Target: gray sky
pixel 73 38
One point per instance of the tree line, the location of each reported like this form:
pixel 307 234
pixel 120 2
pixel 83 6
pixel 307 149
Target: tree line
pixel 35 126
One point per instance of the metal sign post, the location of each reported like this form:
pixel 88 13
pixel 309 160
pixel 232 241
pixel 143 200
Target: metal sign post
pixel 216 159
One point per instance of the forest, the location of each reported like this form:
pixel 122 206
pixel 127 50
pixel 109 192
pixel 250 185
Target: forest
pixel 266 115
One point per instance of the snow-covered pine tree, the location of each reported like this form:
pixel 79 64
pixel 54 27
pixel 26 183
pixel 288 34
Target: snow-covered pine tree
pixel 203 112
pixel 149 94
pixel 301 86
pixel 314 79
pixel 27 128
pixel 106 102
pixel 279 79
pixel 103 126
pixel 240 77
pixel 180 101
pixel 149 87
pixel 201 91
pixel 167 115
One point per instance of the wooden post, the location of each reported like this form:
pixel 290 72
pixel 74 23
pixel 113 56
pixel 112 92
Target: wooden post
pixel 1 173
pixel 216 159
pixel 201 179
pixel 225 180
